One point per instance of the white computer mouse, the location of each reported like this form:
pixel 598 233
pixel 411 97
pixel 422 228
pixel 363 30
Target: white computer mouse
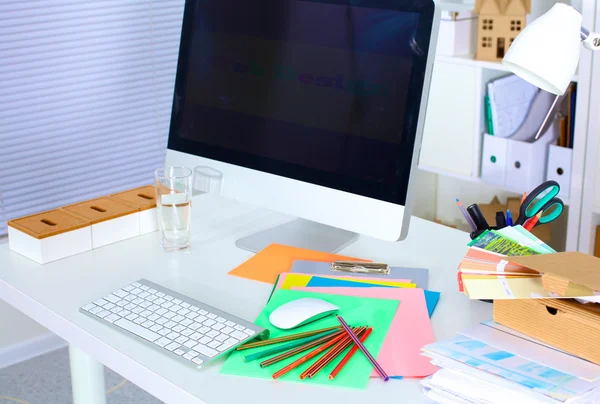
pixel 301 311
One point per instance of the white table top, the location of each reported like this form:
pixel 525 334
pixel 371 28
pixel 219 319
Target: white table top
pixel 52 294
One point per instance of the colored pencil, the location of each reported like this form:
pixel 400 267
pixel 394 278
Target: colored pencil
pixel 468 218
pixel 523 198
pixel 308 356
pixel 285 347
pixel 302 348
pixel 331 355
pixel 347 357
pixel 364 350
pixel 286 338
pixel 530 224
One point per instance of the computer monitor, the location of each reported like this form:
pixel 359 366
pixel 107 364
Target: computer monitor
pixel 313 108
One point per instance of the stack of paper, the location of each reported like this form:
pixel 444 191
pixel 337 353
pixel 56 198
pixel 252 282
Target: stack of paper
pixel 492 364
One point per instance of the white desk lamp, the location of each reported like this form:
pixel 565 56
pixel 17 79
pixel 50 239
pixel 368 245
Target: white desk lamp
pixel 546 52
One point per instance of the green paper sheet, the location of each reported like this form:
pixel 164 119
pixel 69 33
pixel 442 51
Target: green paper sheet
pixel 376 313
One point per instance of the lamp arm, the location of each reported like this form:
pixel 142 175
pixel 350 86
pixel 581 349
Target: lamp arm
pixel 590 40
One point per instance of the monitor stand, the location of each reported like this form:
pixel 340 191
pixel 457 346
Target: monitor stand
pixel 300 233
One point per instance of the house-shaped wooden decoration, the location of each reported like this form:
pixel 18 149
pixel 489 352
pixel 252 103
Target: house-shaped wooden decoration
pixel 500 21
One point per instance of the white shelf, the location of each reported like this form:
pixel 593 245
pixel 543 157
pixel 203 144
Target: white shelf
pixel 469 60
pixel 478 180
pixel 458 6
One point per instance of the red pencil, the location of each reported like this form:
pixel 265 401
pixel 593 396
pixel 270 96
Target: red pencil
pixel 530 224
pixel 346 358
pixel 307 357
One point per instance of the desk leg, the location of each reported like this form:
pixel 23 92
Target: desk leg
pixel 87 376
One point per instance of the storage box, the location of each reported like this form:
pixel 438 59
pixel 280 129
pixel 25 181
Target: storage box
pixel 111 220
pixel 144 199
pixel 562 323
pixel 458 33
pixel 559 168
pixel 49 236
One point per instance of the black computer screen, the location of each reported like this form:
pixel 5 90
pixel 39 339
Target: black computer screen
pixel 322 91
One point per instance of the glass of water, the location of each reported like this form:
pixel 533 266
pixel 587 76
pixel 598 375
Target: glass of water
pixel 174 206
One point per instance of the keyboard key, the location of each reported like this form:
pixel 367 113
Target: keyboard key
pixel 89 306
pixel 96 310
pixel 130 298
pixel 239 335
pixel 108 306
pixel 220 319
pixel 179 352
pixel 124 313
pixel 146 313
pixel 212 333
pixel 217 326
pixel 161 311
pixel 167 297
pixel 136 284
pixel 221 337
pixel 122 303
pixel 211 316
pixel 144 287
pixel 249 331
pixel 137 310
pixel 156 328
pixel 112 298
pixel 116 310
pixel 170 324
pixel 203 330
pixel 209 322
pixel 159 301
pixel 100 302
pixel 239 327
pixel 143 295
pixel 153 307
pixel 206 351
pixel 112 318
pixel 178 328
pixel 196 336
pixel 194 308
pixel 175 307
pixel 204 340
pixel 139 320
pixel 191 315
pixel 160 294
pixel 172 346
pixel 151 298
pixel 190 344
pixel 176 301
pixel 132 317
pixel 191 355
pixel 166 305
pixel 136 291
pixel 128 288
pixel 164 331
pixel 227 330
pixel 230 323
pixel 177 318
pixel 173 335
pixel 152 291
pixel 200 319
pixel 183 312
pixel 195 326
pixel 186 322
pixel 137 300
pixel 223 347
pixel 182 339
pixel 148 324
pixel 130 306
pixel 145 304
pixel 231 341
pixel 121 293
pixel 169 315
pixel 161 321
pixel 103 313
pixel 154 317
pixel 198 361
pixel 187 332
pixel 203 312
pixel 163 341
pixel 137 330
pixel 214 344
pixel 185 305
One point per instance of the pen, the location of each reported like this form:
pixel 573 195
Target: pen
pixel 509 220
pixel 466 215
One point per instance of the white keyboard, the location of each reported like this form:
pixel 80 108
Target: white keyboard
pixel 179 326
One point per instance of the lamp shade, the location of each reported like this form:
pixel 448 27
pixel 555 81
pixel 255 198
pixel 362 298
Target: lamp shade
pixel 546 52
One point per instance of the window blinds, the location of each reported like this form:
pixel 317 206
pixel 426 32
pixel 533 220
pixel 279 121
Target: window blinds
pixel 86 90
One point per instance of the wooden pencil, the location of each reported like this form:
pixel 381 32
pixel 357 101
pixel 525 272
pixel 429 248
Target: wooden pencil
pixel 308 356
pixel 303 348
pixel 331 355
pixel 347 357
pixel 286 338
pixel 286 347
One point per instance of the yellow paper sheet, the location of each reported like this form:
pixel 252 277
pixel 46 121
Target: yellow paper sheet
pixel 301 280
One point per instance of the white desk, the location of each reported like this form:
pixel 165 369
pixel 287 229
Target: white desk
pixel 52 294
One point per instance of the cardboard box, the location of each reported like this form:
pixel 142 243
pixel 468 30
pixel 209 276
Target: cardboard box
pixel 597 245
pixel 563 323
pixel 111 220
pixel 49 236
pixel 500 21
pixel 143 198
pixel 489 211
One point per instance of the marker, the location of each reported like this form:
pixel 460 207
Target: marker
pixel 509 220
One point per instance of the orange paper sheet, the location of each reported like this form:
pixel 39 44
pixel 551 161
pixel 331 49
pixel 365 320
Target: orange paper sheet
pixel 278 258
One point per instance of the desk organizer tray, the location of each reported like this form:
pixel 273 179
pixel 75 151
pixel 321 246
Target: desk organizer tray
pixel 143 198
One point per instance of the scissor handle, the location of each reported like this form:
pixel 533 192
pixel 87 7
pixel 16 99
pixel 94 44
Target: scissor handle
pixel 548 217
pixel 533 205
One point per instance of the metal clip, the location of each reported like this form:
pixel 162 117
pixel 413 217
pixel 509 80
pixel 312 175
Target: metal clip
pixel 376 268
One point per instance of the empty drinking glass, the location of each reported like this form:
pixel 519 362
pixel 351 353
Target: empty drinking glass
pixel 174 205
pixel 207 180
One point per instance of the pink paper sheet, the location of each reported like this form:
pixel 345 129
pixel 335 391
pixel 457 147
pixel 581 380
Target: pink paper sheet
pixel 409 332
pixel 283 275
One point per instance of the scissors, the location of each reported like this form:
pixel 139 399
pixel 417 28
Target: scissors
pixel 542 199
